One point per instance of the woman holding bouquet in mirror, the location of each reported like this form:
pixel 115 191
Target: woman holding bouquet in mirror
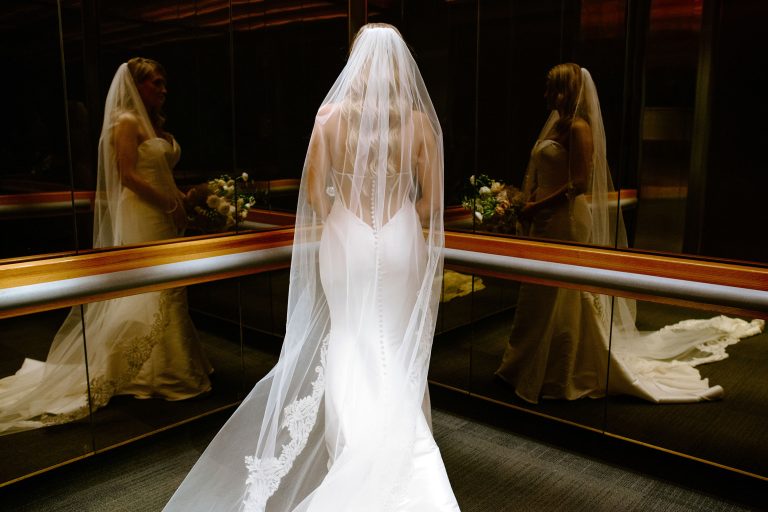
pixel 146 154
pixel 141 345
pixel 559 345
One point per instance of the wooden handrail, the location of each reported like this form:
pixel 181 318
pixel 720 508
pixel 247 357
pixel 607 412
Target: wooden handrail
pixel 118 259
pixel 46 197
pixel 736 274
pixel 34 272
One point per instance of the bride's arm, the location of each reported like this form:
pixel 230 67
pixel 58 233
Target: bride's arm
pixel 318 165
pixel 427 169
pixel 580 155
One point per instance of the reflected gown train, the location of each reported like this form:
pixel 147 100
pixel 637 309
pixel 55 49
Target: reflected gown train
pixel 558 347
pixel 141 345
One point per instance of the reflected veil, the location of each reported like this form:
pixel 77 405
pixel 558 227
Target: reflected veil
pixel 563 341
pixel 141 345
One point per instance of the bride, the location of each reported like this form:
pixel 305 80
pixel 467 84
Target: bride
pixel 559 345
pixel 341 423
pixel 142 345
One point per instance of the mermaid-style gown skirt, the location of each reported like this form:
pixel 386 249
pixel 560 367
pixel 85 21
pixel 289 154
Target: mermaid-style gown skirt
pixel 371 279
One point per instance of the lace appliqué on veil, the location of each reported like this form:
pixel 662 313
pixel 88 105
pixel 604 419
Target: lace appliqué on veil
pixel 264 475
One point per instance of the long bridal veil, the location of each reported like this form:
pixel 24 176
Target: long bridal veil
pixel 375 155
pixel 119 334
pixel 658 366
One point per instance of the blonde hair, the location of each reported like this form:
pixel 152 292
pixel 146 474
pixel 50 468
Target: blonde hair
pixel 140 69
pixel 352 110
pixel 564 83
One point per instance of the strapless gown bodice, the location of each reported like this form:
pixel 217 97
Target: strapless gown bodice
pixel 139 220
pixel 565 220
pixel 550 161
pixel 157 157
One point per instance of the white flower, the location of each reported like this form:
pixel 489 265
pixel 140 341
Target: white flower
pixel 479 216
pixel 472 179
pixel 496 186
pixel 213 201
pixel 240 202
pixel 245 176
pixel 230 183
pixel 224 208
pixel 484 191
pixel 231 210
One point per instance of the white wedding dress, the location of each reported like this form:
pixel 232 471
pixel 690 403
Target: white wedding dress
pixel 142 345
pixel 341 423
pixel 559 343
pixel 376 267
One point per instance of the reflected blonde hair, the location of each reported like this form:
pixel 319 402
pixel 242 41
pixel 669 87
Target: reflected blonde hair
pixel 140 69
pixel 564 84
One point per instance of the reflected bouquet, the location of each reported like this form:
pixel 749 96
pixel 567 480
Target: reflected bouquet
pixel 494 205
pixel 218 204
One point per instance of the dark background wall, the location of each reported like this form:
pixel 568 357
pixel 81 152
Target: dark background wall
pixel 677 79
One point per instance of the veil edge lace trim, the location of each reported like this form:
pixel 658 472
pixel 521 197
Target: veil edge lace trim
pixel 300 416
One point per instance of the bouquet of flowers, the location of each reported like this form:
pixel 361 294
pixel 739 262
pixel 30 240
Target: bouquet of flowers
pixel 218 204
pixel 495 205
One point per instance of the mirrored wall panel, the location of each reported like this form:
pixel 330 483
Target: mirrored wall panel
pixel 451 348
pixel 154 360
pixel 165 363
pixel 264 300
pixel 44 416
pixel 546 351
pixel 36 179
pixel 730 353
pixel 286 56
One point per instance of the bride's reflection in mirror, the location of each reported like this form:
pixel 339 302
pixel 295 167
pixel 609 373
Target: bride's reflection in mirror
pixel 142 345
pixel 559 345
pixel 137 198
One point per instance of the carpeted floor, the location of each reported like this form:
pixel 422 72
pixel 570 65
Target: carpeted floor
pixel 490 470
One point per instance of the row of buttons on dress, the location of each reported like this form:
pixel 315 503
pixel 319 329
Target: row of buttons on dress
pixel 377 282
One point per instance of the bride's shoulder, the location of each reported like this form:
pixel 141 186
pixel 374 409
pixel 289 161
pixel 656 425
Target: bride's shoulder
pixel 580 128
pixel 327 110
pixel 126 124
pixel 422 125
pixel 422 119
pixel 126 118
pixel 579 124
pixel 327 115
